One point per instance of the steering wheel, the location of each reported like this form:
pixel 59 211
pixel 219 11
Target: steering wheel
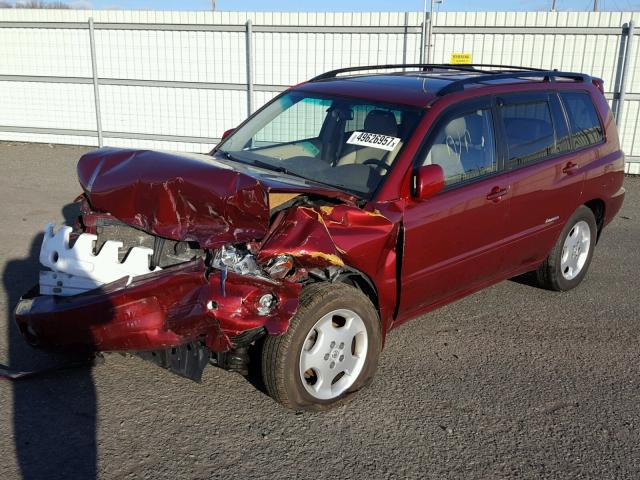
pixel 374 161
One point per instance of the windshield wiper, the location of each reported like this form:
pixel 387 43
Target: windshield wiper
pixel 231 157
pixel 275 168
pixel 261 164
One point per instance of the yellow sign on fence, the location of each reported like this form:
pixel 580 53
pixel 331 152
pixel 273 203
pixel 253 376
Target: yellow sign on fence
pixel 458 58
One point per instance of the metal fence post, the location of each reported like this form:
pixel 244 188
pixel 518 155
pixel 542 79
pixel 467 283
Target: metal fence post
pixel 249 34
pixel 628 56
pixel 96 87
pixel 423 35
pixel 429 45
pixel 405 37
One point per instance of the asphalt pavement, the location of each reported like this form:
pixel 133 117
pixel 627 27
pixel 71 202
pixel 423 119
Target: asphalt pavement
pixel 511 382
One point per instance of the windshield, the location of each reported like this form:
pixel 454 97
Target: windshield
pixel 343 142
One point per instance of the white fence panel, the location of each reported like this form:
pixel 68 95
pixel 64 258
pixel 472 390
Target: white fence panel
pixel 179 79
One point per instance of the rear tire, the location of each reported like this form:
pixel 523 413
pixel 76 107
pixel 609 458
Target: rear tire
pixel 329 351
pixel 569 260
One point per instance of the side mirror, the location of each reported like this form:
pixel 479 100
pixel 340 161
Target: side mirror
pixel 227 133
pixel 429 180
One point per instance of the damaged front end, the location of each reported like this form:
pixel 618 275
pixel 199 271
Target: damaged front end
pixel 184 306
pixel 196 259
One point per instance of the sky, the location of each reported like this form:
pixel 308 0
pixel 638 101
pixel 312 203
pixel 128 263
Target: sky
pixel 361 5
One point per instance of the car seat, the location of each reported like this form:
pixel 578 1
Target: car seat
pixel 376 121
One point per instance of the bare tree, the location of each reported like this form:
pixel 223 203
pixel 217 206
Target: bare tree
pixel 37 4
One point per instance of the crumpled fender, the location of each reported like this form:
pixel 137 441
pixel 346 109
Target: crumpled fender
pixel 342 236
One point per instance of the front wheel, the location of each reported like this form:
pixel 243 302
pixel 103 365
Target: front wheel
pixel 330 350
pixel 569 260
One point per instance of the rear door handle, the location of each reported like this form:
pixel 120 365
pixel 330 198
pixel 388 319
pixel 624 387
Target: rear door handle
pixel 570 168
pixel 496 194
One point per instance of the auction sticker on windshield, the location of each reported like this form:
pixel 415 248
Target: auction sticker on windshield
pixel 374 140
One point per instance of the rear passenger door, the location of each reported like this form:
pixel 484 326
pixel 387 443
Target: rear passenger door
pixel 544 173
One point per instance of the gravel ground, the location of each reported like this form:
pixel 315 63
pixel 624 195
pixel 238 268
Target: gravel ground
pixel 513 381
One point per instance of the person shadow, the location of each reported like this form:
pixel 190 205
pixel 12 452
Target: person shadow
pixel 54 414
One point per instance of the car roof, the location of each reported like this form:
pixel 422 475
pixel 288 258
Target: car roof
pixel 419 84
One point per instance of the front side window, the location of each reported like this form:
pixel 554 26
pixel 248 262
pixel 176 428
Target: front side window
pixel 583 119
pixel 529 132
pixel 343 142
pixel 464 147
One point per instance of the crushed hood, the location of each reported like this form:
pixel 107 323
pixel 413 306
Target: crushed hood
pixel 177 196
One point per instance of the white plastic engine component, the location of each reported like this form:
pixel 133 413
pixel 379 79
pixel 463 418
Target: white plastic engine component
pixel 76 270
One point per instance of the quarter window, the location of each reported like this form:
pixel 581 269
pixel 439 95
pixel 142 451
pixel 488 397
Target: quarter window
pixel 583 118
pixel 464 147
pixel 529 131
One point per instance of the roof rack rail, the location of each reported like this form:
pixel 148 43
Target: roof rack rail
pixel 498 72
pixel 547 76
pixel 426 67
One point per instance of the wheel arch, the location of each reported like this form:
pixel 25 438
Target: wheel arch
pixel 597 207
pixel 362 282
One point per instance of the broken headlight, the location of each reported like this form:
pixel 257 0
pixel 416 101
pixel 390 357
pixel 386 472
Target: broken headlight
pixel 239 259
pixel 280 266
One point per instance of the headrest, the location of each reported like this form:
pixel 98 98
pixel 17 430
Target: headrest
pixel 475 128
pixel 382 122
pixel 456 128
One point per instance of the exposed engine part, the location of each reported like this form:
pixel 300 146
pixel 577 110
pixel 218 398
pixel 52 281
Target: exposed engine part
pixel 165 252
pixel 237 260
pixel 77 269
pixel 187 360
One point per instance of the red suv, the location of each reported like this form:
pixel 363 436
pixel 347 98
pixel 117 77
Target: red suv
pixel 344 207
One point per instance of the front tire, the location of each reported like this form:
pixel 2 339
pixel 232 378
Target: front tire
pixel 569 260
pixel 329 351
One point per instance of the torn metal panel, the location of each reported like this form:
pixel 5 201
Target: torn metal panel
pixel 302 234
pixel 162 309
pixel 190 198
pixel 342 236
pixel 238 310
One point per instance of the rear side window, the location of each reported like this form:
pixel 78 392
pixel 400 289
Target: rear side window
pixel 583 119
pixel 529 131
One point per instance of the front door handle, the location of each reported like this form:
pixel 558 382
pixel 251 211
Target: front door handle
pixel 496 194
pixel 570 168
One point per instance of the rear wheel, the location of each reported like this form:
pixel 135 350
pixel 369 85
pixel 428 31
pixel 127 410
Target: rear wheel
pixel 569 260
pixel 330 350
